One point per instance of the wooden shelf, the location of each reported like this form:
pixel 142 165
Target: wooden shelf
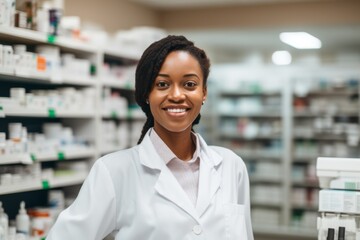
pixel 267 180
pixel 27 36
pixel 324 137
pixel 33 185
pixel 257 154
pixel 52 156
pixel 117 84
pixel 341 113
pixel 45 79
pixel 241 137
pixel 122 54
pixel 231 93
pixel 264 114
pixel 50 113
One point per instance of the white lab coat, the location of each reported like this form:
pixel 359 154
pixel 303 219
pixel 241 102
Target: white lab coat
pixel 133 193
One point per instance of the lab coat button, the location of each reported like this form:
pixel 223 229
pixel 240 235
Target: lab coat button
pixel 197 229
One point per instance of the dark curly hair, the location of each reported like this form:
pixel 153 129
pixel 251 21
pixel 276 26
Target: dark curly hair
pixel 149 66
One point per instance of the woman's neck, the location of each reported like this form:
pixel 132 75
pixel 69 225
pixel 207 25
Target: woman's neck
pixel 181 144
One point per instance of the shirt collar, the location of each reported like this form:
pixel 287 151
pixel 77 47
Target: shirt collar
pixel 165 152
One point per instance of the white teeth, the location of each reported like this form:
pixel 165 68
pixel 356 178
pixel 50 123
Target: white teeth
pixel 176 110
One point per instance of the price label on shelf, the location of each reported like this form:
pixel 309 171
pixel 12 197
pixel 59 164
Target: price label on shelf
pixel 51 39
pixel 33 157
pixel 114 115
pixel 52 113
pixel 2 114
pixel 45 184
pixel 61 156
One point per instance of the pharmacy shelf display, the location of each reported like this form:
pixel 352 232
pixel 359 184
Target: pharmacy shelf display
pixel 52 96
pixel 29 37
pixel 254 125
pixel 338 196
pixel 250 122
pixel 279 122
pixel 73 178
pixel 54 155
pixel 325 123
pixel 120 115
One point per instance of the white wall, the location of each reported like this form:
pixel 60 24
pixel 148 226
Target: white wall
pixel 113 15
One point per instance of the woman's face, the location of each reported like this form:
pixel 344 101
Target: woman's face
pixel 177 94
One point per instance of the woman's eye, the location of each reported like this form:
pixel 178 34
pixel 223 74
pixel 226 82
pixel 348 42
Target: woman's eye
pixel 161 84
pixel 190 84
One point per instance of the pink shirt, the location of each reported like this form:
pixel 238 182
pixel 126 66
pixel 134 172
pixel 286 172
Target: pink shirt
pixel 186 172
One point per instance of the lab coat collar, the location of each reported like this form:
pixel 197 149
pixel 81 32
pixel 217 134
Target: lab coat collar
pixel 168 186
pixel 214 159
pixel 148 155
pixel 147 149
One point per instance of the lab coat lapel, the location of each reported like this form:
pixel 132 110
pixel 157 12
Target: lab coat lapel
pixel 209 177
pixel 169 188
pixel 167 185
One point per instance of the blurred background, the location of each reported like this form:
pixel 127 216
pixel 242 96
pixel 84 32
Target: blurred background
pixel 283 91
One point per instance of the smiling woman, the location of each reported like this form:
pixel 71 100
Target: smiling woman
pixel 172 185
pixel 177 95
pixel 186 64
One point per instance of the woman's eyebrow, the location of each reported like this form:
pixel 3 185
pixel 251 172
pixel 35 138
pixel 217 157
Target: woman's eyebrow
pixel 185 75
pixel 163 75
pixel 191 75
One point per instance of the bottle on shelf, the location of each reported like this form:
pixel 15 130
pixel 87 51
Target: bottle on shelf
pixel 4 223
pixel 23 220
pixel 2 233
pixel 12 233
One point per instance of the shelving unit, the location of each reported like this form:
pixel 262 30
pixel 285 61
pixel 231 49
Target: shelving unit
pixel 325 110
pixel 58 182
pixel 250 121
pixel 47 157
pixel 44 113
pixel 26 36
pixel 118 83
pixel 85 123
pixel 339 191
pixel 281 165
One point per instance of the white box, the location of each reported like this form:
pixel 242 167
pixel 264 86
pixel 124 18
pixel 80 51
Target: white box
pixel 339 201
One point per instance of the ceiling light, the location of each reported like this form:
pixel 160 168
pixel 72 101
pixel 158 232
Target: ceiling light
pixel 300 40
pixel 281 58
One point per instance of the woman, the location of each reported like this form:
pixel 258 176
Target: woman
pixel 172 185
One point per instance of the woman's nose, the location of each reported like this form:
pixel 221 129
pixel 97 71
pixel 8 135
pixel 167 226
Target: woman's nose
pixel 176 94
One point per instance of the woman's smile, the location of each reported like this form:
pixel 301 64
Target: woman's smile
pixel 175 110
pixel 176 114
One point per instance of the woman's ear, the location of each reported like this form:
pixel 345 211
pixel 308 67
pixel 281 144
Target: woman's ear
pixel 205 93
